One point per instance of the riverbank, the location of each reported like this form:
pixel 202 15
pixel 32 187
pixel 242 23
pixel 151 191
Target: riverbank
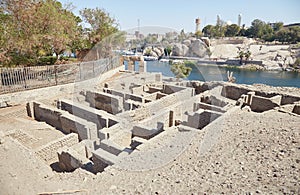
pixel 244 75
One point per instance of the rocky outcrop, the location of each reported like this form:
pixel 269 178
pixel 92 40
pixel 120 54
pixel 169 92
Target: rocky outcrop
pixel 197 49
pixel 180 49
pixel 154 51
pixel 190 48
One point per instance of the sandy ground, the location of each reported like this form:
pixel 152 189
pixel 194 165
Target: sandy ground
pixel 250 153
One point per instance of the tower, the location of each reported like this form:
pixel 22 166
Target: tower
pixel 239 20
pixel 197 24
pixel 218 20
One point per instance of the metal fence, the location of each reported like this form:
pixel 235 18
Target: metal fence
pixel 25 78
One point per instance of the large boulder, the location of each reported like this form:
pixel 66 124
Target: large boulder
pixel 187 42
pixel 158 51
pixel 180 49
pixel 197 49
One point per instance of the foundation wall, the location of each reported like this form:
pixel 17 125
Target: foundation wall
pixel 200 119
pixel 145 132
pixel 98 117
pixel 296 109
pixel 102 159
pixel 169 89
pixel 104 101
pixel 233 92
pixel 69 159
pixel 85 129
pixel 204 106
pixel 261 104
pixel 48 152
pixel 47 114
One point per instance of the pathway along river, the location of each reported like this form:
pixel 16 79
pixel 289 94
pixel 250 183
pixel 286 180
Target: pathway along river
pixel 215 73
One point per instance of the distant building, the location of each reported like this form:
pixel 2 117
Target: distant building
pixel 292 25
pixel 198 22
pixel 239 20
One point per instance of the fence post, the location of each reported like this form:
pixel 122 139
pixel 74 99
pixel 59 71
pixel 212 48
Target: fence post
pixel 55 74
pixel 24 77
pixel 94 69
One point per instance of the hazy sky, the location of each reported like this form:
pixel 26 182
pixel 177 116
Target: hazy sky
pixel 181 14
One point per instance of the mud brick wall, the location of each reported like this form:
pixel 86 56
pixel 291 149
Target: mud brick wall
pixel 154 89
pixel 134 97
pixel 48 152
pixel 296 109
pixel 47 114
pixel 233 92
pixel 85 129
pixel 202 118
pixel 158 121
pixel 169 89
pixel 204 106
pixel 102 159
pixel 261 104
pixel 138 90
pixel 114 92
pixel 104 101
pixel 85 112
pixel 144 131
pixel 288 99
pixel 152 107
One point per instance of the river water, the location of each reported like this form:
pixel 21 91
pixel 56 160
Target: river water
pixel 215 73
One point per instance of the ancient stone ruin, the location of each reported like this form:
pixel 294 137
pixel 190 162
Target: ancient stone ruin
pixel 105 124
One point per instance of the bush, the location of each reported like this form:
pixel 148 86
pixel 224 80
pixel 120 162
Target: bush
pixel 46 60
pixel 17 60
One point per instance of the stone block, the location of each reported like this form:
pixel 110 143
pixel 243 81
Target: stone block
pixel 102 159
pixel 85 129
pixel 201 118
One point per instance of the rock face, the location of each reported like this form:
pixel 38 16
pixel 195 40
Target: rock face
pixel 187 42
pixel 190 48
pixel 154 51
pixel 180 49
pixel 197 49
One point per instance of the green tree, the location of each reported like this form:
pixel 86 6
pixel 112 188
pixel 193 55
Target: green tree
pixel 36 28
pixel 278 26
pixel 57 26
pixel 256 29
pixel 208 31
pixel 180 70
pixel 232 30
pixel 101 24
pixel 198 34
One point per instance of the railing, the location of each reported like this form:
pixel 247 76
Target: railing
pixel 25 78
